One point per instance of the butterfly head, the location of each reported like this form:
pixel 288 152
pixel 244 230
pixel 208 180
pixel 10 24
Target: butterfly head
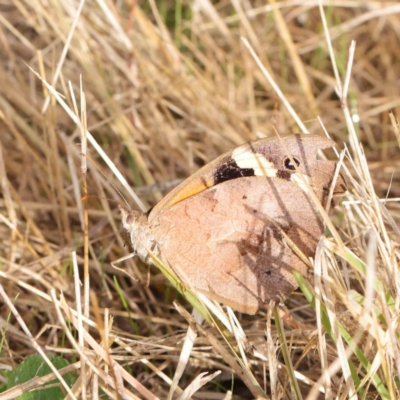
pixel 137 225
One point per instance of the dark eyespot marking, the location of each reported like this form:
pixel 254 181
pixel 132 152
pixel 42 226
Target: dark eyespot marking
pixel 283 174
pixel 288 163
pixel 230 170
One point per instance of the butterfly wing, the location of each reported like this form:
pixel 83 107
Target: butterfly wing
pixel 218 229
pixel 262 157
pixel 223 243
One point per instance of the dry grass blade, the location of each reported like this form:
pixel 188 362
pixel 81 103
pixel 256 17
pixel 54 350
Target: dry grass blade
pixel 161 89
pixel 34 343
pixel 197 383
pixel 184 358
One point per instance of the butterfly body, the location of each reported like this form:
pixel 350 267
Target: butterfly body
pixel 224 230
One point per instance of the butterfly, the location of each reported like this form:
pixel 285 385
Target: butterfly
pixel 226 230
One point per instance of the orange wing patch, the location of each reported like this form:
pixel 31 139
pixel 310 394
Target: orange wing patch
pixel 246 160
pixel 202 180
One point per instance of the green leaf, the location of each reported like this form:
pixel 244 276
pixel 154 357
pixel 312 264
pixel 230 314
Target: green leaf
pixel 34 366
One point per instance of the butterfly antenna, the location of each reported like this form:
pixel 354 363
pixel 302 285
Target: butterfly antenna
pixel 116 189
pixel 122 196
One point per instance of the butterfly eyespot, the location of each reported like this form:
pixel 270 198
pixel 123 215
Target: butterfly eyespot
pixel 289 165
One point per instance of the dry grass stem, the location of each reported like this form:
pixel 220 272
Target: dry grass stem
pixel 99 99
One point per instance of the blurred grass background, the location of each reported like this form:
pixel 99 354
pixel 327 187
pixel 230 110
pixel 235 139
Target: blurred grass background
pixel 168 86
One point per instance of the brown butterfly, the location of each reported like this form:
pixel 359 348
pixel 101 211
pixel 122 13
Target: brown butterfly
pixel 224 230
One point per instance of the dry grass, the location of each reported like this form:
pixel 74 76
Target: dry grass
pixel 167 87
